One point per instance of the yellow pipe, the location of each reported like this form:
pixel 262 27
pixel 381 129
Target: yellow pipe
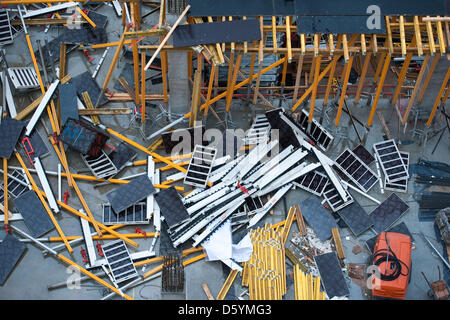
pixel 85 16
pixel 106 236
pixel 138 146
pixel 93 276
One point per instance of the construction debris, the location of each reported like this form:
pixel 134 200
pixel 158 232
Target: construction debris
pixel 213 162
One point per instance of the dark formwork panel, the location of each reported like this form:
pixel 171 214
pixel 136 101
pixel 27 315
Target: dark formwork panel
pixel 11 249
pixel 331 274
pixel 34 214
pixel 128 194
pixel 68 102
pixel 388 212
pixel 337 24
pixel 360 7
pixel 355 218
pixel 216 32
pixel 84 82
pixel 171 206
pixel 320 220
pixel 10 130
pixel 204 8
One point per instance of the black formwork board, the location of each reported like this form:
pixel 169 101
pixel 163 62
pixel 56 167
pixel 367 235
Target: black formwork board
pixel 11 250
pixel 121 155
pixel 362 7
pixel 364 155
pixel 337 24
pixel 68 102
pixel 84 82
pixel 331 275
pixel 320 220
pixel 216 32
pixel 399 228
pixel 356 218
pixel 204 8
pixel 388 212
pixel 10 131
pixel 34 214
pixel 128 194
pixel 77 136
pixel 171 206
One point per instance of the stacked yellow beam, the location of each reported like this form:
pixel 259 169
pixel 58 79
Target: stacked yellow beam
pixel 306 286
pixel 265 272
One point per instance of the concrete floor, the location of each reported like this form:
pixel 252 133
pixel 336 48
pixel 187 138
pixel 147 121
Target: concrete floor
pixel 34 273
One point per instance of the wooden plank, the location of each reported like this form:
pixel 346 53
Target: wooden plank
pixel 136 69
pixel 195 99
pixel 207 291
pixel 143 106
pixel 104 111
pixel 233 83
pixel 428 78
pixel 384 125
pixel 389 35
pixel 416 88
pixel 331 43
pixel 345 46
pixel 348 68
pixel 274 34
pixel 298 77
pixel 338 243
pixel 440 34
pixel 288 38
pixel 89 106
pixel 287 226
pixel 418 36
pixel 314 90
pixel 363 44
pixel 227 284
pixel 123 82
pixel 362 77
pixel 430 37
pixel 210 85
pixel 261 42
pixel 438 98
pixel 379 89
pixel 300 221
pixel 402 35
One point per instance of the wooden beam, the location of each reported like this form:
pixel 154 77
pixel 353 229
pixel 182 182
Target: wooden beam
pixel 362 77
pixel 430 37
pixel 143 89
pixel 90 107
pixel 440 34
pixel 379 89
pixel 363 44
pixel 416 88
pixel 438 98
pixel 261 42
pixel 136 69
pixel 428 78
pixel 288 38
pixel 194 101
pixel 104 111
pixel 233 82
pixel 338 243
pixel 274 34
pixel 418 36
pixel 345 46
pixel 348 68
pixel 314 90
pixel 298 77
pixel 331 43
pixel 207 291
pixel 389 35
pixel 402 35
pixel 227 284
pixel 330 82
pixel 210 85
pixel 401 77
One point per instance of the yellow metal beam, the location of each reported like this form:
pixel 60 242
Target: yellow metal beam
pixel 348 68
pixel 379 89
pixel 438 98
